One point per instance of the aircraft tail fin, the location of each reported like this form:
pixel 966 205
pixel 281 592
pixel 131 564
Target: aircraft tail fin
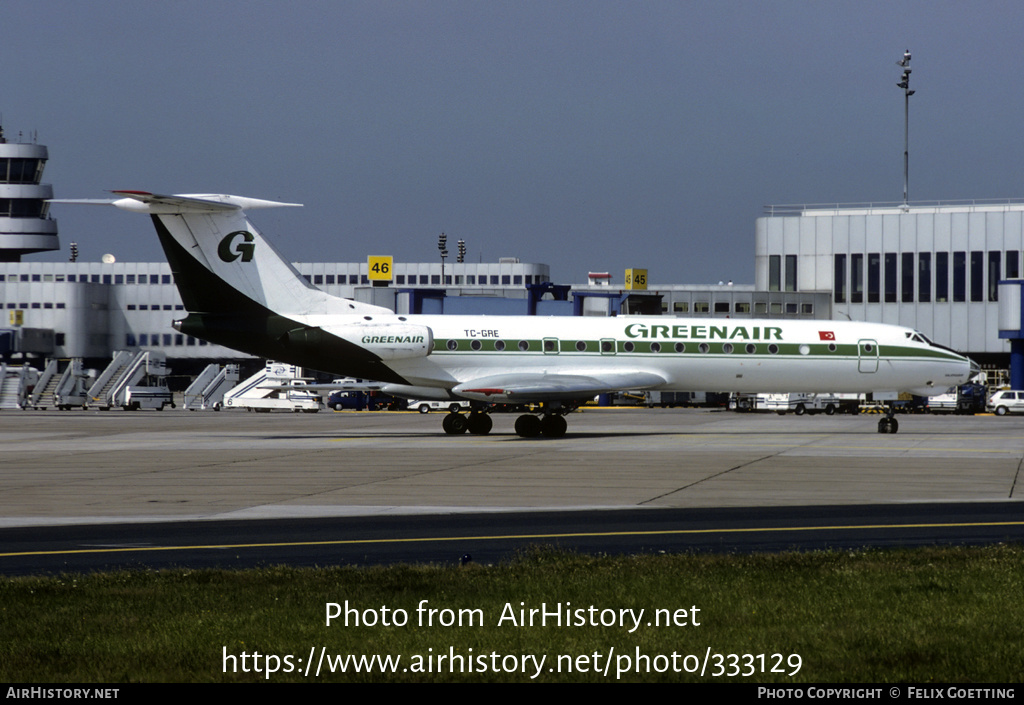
pixel 221 262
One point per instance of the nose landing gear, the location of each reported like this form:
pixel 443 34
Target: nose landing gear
pixel 889 424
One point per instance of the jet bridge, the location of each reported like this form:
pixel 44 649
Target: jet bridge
pixel 1011 326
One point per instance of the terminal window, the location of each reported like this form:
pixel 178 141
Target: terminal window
pixel 856 278
pixel 959 276
pixel 839 279
pixel 977 275
pixel 790 272
pixel 942 277
pixel 924 277
pixel 874 276
pixel 994 267
pixel 891 274
pixel 907 278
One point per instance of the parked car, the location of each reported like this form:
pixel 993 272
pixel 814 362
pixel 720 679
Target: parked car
pixel 1006 401
pixel 425 406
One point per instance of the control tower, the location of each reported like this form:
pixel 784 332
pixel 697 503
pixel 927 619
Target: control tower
pixel 25 225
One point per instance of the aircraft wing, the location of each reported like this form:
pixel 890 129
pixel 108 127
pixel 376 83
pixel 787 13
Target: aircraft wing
pixel 528 388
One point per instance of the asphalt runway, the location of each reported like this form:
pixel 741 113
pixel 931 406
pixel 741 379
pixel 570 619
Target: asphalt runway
pixel 304 479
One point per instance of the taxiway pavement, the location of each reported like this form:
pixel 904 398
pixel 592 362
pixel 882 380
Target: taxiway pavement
pixel 109 467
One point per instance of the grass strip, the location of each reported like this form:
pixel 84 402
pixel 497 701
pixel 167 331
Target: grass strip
pixel 916 615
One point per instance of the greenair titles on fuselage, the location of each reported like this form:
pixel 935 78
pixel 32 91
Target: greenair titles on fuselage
pixel 391 339
pixel 703 332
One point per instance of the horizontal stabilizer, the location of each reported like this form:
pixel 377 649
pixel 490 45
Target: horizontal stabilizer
pixel 155 203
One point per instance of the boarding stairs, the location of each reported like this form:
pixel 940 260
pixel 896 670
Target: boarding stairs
pixel 276 386
pixel 62 385
pixel 42 395
pixel 16 381
pixel 114 386
pixel 209 388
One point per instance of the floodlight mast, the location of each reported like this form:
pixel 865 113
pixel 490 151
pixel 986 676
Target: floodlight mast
pixel 442 245
pixel 905 85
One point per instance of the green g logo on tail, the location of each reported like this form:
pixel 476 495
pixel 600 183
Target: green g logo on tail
pixel 229 249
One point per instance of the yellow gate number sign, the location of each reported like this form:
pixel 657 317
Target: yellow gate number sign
pixel 379 268
pixel 636 278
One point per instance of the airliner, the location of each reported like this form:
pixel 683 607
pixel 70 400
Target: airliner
pixel 241 293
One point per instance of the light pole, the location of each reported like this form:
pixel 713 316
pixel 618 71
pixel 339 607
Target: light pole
pixel 905 85
pixel 442 245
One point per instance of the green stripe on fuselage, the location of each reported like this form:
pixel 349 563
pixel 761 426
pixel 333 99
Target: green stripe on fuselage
pixel 693 347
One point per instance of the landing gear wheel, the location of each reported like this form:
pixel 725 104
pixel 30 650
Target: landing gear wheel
pixel 454 424
pixel 553 426
pixel 479 424
pixel 528 426
pixel 888 425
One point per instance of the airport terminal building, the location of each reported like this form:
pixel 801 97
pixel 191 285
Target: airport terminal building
pixel 933 267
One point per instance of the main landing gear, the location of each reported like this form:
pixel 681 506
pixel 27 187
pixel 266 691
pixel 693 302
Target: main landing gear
pixel 550 424
pixel 888 423
pixel 478 423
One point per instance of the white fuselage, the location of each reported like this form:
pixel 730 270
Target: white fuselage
pixel 689 354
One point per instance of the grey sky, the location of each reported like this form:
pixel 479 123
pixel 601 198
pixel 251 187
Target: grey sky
pixel 589 135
